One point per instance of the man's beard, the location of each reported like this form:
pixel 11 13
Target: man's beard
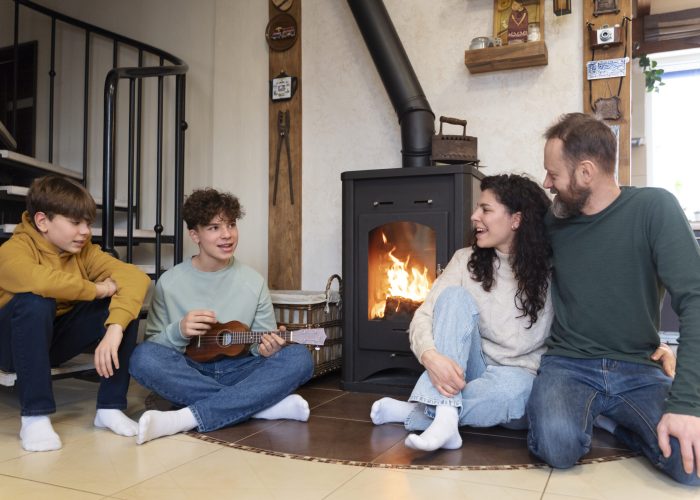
pixel 572 204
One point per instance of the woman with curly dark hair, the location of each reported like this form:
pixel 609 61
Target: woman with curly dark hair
pixel 481 330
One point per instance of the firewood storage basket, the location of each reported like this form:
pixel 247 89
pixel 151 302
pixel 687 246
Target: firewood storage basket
pixel 297 309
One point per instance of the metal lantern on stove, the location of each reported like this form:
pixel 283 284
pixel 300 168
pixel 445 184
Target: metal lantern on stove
pixel 561 7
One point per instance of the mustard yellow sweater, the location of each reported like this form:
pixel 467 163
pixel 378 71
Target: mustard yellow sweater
pixel 30 263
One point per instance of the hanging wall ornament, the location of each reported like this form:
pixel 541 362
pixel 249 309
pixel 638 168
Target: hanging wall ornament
pixel 281 32
pixel 283 5
pixel 605 7
pixel 608 108
pixel 282 87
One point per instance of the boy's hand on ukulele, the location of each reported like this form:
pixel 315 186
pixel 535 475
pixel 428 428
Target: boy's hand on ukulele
pixel 270 343
pixel 105 288
pixel 106 357
pixel 197 322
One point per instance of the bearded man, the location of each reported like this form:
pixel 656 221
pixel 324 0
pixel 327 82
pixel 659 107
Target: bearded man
pixel 615 249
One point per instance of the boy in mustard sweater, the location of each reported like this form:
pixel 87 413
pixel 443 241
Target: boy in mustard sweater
pixel 60 294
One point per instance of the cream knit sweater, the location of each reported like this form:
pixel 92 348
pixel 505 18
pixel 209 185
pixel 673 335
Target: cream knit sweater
pixel 505 338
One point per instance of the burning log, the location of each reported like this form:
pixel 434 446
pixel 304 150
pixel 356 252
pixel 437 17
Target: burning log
pixel 400 308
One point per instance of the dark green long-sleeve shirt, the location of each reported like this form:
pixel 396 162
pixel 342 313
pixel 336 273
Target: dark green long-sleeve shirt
pixel 609 273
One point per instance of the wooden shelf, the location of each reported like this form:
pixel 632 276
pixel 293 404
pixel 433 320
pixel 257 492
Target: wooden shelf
pixel 521 55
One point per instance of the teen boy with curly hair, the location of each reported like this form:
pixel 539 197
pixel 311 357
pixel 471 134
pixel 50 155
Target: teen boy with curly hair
pixel 209 287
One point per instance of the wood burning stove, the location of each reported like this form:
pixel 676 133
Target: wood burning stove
pixel 400 228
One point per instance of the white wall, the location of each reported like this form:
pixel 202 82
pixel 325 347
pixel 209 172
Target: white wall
pixel 349 123
pixel 348 120
pixel 240 115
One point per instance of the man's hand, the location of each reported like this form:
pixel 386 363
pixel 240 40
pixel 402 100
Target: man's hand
pixel 665 357
pixel 197 322
pixel 685 428
pixel 106 352
pixel 105 288
pixel 270 343
pixel 446 375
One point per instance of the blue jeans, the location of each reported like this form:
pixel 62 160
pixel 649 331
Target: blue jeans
pixel 32 340
pixel 568 394
pixel 493 395
pixel 223 392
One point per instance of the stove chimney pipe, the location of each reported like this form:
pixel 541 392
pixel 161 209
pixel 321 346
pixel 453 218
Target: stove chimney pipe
pixel 416 118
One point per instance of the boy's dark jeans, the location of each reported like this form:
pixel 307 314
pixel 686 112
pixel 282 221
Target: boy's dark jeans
pixel 32 340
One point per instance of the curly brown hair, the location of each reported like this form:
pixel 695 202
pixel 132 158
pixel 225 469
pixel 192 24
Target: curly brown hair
pixel 204 204
pixel 532 252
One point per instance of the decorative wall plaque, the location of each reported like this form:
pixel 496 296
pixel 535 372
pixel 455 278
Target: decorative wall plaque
pixel 606 68
pixel 281 32
pixel 608 108
pixel 605 7
pixel 283 5
pixel 282 87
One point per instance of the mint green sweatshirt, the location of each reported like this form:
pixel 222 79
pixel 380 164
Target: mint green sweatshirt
pixel 609 273
pixel 236 292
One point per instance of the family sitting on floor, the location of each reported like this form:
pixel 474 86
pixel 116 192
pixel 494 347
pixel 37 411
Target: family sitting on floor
pixel 548 322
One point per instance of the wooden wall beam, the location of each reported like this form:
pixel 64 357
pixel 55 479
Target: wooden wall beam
pixel 284 219
pixel 608 87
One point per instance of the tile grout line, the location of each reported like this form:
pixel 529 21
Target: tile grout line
pixel 116 493
pixel 52 485
pixel 549 476
pixel 337 489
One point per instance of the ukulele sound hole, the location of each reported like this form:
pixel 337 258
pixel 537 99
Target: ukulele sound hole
pixel 225 338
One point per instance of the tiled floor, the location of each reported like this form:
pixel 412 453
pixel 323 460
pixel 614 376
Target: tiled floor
pixel 95 463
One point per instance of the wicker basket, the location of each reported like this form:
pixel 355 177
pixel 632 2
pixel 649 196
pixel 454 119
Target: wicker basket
pixel 296 309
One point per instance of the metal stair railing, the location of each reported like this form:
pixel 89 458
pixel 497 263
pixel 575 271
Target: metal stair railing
pixel 176 68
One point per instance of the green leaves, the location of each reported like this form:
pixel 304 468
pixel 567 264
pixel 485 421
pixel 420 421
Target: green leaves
pixel 652 76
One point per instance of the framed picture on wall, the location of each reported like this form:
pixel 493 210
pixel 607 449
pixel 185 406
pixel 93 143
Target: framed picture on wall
pixel 518 21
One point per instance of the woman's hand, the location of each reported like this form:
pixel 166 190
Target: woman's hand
pixel 665 357
pixel 446 375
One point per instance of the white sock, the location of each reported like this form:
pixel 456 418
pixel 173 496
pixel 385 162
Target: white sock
pixel 37 434
pixel 387 410
pixel 442 433
pixel 154 424
pixel 116 421
pixel 293 407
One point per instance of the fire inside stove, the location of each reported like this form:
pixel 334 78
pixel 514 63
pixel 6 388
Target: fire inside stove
pixel 401 267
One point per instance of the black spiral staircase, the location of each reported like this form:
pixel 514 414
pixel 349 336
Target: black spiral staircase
pixel 19 164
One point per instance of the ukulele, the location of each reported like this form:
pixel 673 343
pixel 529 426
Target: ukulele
pixel 229 339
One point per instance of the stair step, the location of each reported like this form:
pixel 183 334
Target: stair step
pixel 96 231
pixel 15 190
pixel 79 363
pixel 22 191
pixel 6 137
pixel 20 160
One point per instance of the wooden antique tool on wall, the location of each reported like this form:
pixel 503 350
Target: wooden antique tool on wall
pixel 284 221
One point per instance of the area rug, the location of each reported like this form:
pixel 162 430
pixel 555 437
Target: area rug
pixel 339 431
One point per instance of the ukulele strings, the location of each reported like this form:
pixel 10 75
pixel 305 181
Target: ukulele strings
pixel 237 337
